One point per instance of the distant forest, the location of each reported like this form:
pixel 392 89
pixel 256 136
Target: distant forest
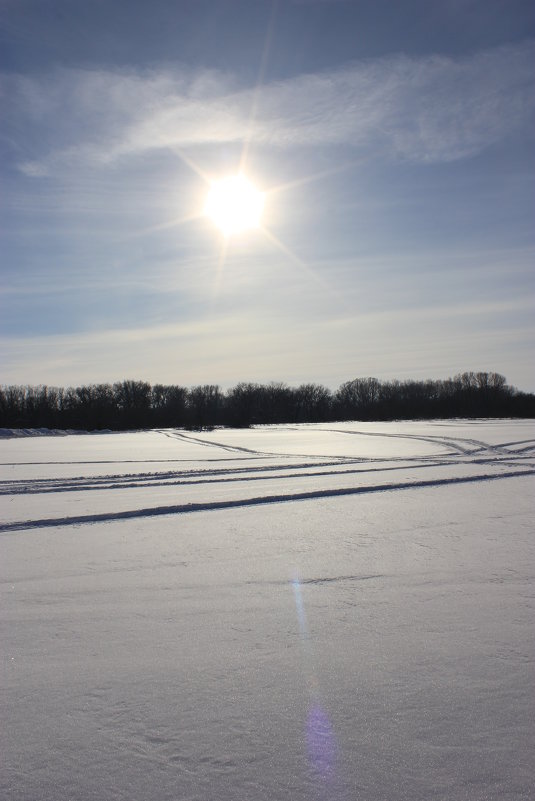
pixel 138 405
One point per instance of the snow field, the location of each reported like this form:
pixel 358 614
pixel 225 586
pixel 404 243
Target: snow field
pixel 377 645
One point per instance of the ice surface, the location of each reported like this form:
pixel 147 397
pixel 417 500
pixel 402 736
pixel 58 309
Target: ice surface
pixel 262 645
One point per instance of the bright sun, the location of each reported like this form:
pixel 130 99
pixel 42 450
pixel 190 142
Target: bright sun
pixel 234 204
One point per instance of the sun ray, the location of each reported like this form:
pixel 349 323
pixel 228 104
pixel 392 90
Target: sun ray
pixel 228 228
pixel 176 222
pixel 317 176
pixel 259 83
pixel 306 269
pixel 220 268
pixel 286 250
pixel 189 162
pixel 310 273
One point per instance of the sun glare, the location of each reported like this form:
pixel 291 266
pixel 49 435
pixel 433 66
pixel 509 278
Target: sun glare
pixel 234 204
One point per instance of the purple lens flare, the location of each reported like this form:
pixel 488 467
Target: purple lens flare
pixel 319 735
pixel 321 744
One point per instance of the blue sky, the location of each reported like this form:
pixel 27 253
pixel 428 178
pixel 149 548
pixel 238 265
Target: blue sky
pixel 394 141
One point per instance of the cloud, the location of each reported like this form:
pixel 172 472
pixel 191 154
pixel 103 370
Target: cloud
pixel 488 335
pixel 34 169
pixel 432 109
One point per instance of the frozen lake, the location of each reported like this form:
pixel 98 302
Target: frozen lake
pixel 338 611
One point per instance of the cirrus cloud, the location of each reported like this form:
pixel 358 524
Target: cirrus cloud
pixel 433 109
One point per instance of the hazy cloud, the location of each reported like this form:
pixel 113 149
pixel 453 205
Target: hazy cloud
pixel 429 109
pixel 216 347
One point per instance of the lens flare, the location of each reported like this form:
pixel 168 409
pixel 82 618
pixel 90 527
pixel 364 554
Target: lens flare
pixel 318 734
pixel 321 745
pixel 301 617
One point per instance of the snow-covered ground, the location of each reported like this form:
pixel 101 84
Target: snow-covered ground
pixel 338 611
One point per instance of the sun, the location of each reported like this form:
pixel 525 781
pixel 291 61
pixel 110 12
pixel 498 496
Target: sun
pixel 234 204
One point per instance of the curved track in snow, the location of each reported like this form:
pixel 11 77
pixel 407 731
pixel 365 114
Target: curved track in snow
pixel 230 468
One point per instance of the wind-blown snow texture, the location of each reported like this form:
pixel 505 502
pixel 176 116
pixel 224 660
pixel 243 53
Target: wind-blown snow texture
pixel 310 612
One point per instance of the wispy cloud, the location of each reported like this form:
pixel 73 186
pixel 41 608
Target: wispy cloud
pixel 425 110
pixel 214 348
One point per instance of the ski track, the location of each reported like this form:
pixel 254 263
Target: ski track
pixel 500 461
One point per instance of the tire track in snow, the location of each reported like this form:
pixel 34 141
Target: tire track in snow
pixel 448 442
pixel 133 481
pixel 211 443
pixel 189 508
pixel 241 474
pixel 526 448
pixel 128 461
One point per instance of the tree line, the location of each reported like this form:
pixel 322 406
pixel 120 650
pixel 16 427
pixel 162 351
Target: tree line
pixel 138 405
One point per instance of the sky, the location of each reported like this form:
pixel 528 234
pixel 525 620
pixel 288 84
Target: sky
pixel 394 142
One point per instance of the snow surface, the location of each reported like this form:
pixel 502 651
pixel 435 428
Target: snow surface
pixel 337 611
